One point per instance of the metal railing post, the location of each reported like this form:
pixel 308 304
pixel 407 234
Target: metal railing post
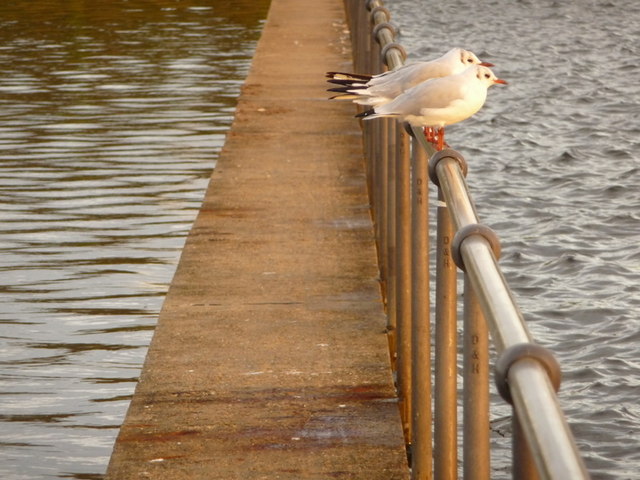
pixel 403 275
pixel 421 447
pixel 379 174
pixel 382 215
pixel 446 348
pixel 370 128
pixel 361 33
pixel 391 243
pixel 476 456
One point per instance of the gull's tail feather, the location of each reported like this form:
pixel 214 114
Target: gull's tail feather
pixel 345 96
pixel 347 82
pixel 361 97
pixel 348 88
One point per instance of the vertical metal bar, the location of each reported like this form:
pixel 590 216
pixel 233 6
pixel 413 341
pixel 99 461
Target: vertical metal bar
pixel 381 175
pixel 354 27
pixel 403 276
pixel 378 172
pixel 349 8
pixel 391 244
pixel 421 448
pixel 361 32
pixel 383 221
pixel 367 135
pixel 367 66
pixel 378 62
pixel 373 161
pixel 476 457
pixel 523 465
pixel 445 415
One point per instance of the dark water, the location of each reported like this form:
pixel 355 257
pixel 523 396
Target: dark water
pixel 112 113
pixel 555 169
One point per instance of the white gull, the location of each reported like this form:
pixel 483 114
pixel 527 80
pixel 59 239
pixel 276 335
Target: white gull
pixel 379 89
pixel 440 101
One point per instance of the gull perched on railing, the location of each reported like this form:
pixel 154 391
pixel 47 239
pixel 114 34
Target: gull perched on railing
pixel 380 89
pixel 440 101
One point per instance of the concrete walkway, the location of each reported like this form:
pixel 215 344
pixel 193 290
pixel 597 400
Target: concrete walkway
pixel 270 358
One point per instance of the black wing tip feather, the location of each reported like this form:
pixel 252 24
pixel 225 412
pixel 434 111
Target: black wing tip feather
pixel 346 89
pixel 349 83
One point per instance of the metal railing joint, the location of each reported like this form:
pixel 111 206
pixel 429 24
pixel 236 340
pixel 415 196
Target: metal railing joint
pixel 437 157
pixel 386 52
pixel 393 30
pixel 470 230
pixel 517 352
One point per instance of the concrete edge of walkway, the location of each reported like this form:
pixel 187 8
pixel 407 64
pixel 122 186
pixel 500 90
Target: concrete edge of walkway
pixel 270 357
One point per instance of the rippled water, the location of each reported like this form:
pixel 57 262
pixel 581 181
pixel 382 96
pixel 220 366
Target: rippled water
pixel 112 115
pixel 554 169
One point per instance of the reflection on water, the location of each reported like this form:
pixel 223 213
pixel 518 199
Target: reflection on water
pixel 553 167
pixel 112 115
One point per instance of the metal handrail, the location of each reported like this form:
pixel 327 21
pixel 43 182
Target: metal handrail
pixel 527 375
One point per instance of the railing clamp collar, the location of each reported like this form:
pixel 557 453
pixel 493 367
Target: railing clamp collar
pixel 369 4
pixel 469 230
pixel 379 9
pixel 518 352
pixel 393 30
pixel 392 46
pixel 441 155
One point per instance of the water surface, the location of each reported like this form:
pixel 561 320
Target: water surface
pixel 112 116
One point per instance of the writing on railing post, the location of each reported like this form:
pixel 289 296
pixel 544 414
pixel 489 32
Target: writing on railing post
pixel 446 414
pixel 421 449
pixel 476 458
pixel 446 348
pixel 403 277
pixel 390 237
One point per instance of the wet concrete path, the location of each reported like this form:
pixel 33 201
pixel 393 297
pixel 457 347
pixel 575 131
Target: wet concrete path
pixel 270 356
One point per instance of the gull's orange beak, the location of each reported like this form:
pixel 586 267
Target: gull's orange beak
pixel 499 80
pixel 487 64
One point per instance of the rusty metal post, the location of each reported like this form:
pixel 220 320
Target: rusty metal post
pixel 421 446
pixel 391 244
pixel 446 342
pixel 476 456
pixel 383 204
pixel 446 345
pixel 362 31
pixel 403 275
pixel 379 169
pixel 368 44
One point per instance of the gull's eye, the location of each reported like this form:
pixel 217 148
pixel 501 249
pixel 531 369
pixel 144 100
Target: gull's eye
pixel 469 60
pixel 486 75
